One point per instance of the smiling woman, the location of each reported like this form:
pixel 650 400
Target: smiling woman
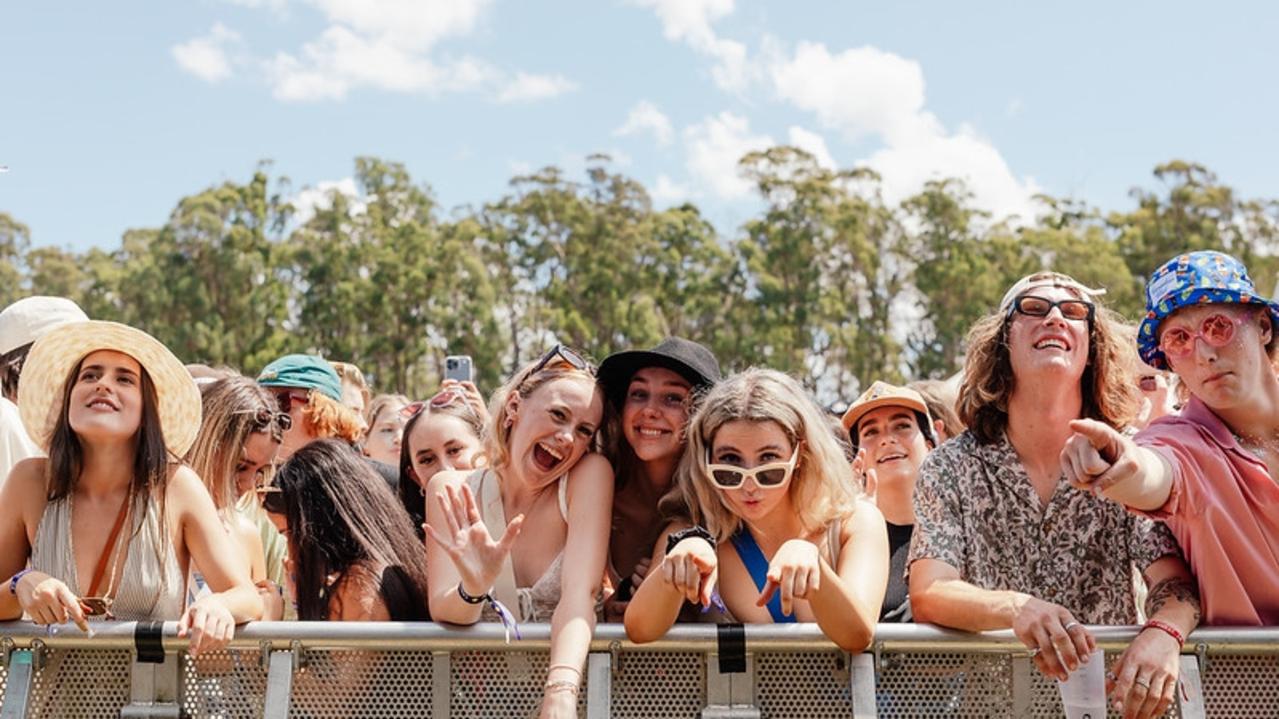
pixel 543 473
pixel 112 520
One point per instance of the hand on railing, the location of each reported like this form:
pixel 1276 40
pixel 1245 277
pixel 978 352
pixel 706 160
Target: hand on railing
pixel 477 557
pixel 795 571
pixel 48 600
pixel 1056 641
pixel 209 624
pixel 692 568
pixel 1143 683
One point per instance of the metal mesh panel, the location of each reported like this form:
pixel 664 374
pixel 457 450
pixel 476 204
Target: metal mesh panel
pixel 659 685
pixel 361 684
pixel 499 684
pixel 944 685
pixel 802 685
pixel 80 683
pixel 1241 686
pixel 222 685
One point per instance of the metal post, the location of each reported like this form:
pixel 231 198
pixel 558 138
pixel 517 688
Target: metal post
pixel 1021 679
pixel 154 689
pixel 18 683
pixel 599 685
pixel 861 684
pixel 1190 696
pixel 441 684
pixel 279 684
pixel 730 695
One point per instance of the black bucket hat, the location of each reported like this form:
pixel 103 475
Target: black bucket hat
pixel 690 360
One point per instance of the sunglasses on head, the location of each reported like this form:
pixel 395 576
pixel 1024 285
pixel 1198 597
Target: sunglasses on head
pixel 564 354
pixel 271 498
pixel 286 398
pixel 1217 330
pixel 1036 306
pixel 263 418
pixel 767 476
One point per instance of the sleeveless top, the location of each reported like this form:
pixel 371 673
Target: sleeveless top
pixel 830 549
pixel 151 586
pixel 529 604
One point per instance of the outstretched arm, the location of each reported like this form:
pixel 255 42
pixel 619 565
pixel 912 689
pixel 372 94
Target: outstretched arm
pixel 1100 459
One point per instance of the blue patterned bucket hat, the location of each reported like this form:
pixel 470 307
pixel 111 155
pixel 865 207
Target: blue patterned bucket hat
pixel 1193 278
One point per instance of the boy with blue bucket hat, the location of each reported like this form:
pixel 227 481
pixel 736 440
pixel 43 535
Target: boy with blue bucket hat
pixel 1205 321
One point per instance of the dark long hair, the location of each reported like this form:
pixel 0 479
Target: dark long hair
pixel 151 458
pixel 341 513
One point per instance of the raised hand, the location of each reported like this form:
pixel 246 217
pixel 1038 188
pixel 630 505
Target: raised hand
pixel 470 394
pixel 796 571
pixel 863 468
pixel 476 555
pixel 1097 456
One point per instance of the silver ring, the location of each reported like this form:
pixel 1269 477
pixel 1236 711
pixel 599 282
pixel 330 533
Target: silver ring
pixel 1034 652
pixel 1140 683
pixel 1068 625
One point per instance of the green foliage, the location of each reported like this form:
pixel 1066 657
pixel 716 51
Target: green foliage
pixel 826 281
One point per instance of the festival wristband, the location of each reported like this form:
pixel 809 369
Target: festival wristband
pixel 675 538
pixel 13 583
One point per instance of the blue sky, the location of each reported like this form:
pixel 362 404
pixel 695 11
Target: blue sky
pixel 110 112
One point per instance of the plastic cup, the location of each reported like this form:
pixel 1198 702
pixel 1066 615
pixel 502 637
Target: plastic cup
pixel 1083 695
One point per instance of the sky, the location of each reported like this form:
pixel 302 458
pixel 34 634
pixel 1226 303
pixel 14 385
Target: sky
pixel 111 112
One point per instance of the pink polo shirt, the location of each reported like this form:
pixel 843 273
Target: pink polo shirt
pixel 1224 511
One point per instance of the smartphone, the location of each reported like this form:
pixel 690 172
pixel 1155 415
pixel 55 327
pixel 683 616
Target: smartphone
pixel 459 367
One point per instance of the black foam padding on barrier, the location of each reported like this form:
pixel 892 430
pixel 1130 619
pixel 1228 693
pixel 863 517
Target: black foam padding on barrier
pixel 148 640
pixel 732 648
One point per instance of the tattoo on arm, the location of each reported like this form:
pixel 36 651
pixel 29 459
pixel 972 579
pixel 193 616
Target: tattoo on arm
pixel 1173 589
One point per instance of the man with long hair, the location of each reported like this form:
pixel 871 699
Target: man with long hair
pixel 1003 541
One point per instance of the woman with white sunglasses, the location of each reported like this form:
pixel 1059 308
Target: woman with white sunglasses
pixel 773 527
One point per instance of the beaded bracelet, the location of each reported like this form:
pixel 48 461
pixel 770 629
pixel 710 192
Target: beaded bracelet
pixel 1171 630
pixel 13 583
pixel 562 686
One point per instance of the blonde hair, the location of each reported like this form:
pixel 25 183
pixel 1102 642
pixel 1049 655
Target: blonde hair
pixel 1107 390
pixel 230 410
pixel 351 376
pixel 525 382
pixel 326 417
pixel 381 403
pixel 822 489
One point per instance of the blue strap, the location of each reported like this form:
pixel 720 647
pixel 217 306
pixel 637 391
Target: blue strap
pixel 757 565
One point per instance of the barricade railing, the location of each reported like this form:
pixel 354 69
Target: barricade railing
pixel 391 669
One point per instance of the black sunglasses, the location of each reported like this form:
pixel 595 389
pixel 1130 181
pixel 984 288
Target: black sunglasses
pixel 565 354
pixel 1035 306
pixel 263 418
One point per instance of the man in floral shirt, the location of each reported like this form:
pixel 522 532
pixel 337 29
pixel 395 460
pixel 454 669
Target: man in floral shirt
pixel 1002 541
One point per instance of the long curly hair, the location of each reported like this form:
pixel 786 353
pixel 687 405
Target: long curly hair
pixel 1108 392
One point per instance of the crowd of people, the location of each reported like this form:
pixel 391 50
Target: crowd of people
pixel 1084 472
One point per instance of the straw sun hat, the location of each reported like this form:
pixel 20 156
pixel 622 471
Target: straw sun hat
pixel 55 355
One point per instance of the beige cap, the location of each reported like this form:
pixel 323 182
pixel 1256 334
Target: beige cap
pixel 882 394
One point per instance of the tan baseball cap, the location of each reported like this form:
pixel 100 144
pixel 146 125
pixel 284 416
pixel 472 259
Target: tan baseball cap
pixel 883 394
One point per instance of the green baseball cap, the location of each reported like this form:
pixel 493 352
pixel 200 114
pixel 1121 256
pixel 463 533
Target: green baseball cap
pixel 304 372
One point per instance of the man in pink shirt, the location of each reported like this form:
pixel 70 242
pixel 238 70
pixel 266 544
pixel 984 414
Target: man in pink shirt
pixel 1209 473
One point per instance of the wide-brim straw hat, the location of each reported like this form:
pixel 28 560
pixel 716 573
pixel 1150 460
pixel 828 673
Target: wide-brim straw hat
pixel 55 355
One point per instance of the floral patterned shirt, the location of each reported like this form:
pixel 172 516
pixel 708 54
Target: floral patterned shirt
pixel 976 510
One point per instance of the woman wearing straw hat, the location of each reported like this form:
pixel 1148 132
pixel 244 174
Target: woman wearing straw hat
pixel 1209 473
pixel 112 520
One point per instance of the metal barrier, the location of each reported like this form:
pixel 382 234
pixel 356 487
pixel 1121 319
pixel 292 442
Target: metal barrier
pixel 314 670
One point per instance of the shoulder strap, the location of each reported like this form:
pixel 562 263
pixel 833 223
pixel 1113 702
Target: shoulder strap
pixel 108 550
pixel 757 565
pixel 563 497
pixel 489 497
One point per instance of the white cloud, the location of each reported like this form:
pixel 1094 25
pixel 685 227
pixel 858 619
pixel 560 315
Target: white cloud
pixel 813 144
pixel 689 21
pixel 527 88
pixel 206 57
pixel 715 146
pixel 320 197
pixel 406 24
pixel 866 92
pixel 645 117
pixel 666 191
